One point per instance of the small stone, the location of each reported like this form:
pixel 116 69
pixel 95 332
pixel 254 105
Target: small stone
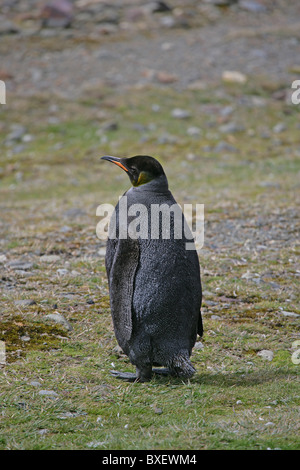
pixel 25 338
pixel 230 128
pixel 216 317
pixel 198 345
pixel 6 26
pixel 252 6
pixel 25 302
pixel 180 113
pixel 49 258
pixel 110 126
pixel 23 265
pixel 197 85
pixel 57 14
pixel 17 132
pixel 266 354
pixel 62 272
pixel 58 318
pixel 155 108
pixel 35 383
pixel 232 76
pixel 193 131
pixel 65 229
pixel 165 78
pixel 280 127
pixel 48 393
pixel 102 251
pixel 3 258
pixel 289 314
pixel 94 444
pixel 224 147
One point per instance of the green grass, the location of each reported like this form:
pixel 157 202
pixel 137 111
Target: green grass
pixel 236 400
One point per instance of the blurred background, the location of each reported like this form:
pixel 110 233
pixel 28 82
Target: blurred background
pixel 206 87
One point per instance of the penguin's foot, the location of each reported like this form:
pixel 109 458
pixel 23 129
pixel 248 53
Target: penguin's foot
pixel 182 367
pixel 128 376
pixel 142 375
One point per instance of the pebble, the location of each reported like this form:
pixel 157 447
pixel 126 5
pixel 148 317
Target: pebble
pixel 289 314
pixel 280 127
pixel 62 272
pixel 50 258
pixel 102 251
pixel 216 317
pixel 58 318
pixel 193 131
pixel 25 302
pixel 3 258
pixel 224 147
pixel 231 127
pixel 16 134
pixel 180 113
pixel 22 265
pixel 48 393
pixel 25 338
pixel 252 6
pixel 232 76
pixel 57 14
pixel 35 383
pixel 266 354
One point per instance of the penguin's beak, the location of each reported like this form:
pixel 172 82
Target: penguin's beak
pixel 116 160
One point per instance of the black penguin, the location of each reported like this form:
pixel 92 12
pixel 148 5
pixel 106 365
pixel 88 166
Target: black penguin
pixel 154 281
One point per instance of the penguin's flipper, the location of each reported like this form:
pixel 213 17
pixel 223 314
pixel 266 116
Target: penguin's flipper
pixel 121 281
pixel 200 325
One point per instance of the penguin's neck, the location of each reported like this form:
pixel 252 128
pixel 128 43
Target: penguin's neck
pixel 157 185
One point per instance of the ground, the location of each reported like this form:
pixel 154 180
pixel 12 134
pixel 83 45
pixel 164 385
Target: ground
pixel 124 80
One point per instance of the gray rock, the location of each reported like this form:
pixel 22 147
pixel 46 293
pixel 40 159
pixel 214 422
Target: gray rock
pixel 7 27
pixel 35 383
pixel 224 147
pixel 16 134
pixel 20 265
pixel 48 393
pixel 25 302
pixel 252 6
pixel 289 314
pixel 62 272
pixel 58 318
pixel 280 127
pixel 180 113
pixel 266 354
pixel 50 258
pixel 193 131
pixel 230 128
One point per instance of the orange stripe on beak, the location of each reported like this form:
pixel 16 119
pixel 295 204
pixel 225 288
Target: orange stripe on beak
pixel 120 165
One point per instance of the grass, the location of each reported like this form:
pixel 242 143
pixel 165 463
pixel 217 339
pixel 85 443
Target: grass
pixel 237 400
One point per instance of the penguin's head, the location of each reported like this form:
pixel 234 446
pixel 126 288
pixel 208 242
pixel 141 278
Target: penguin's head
pixel 141 169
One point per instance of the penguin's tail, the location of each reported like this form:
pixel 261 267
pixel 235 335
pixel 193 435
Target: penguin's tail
pixel 181 366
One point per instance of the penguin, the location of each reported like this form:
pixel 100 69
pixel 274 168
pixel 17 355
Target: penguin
pixel 154 280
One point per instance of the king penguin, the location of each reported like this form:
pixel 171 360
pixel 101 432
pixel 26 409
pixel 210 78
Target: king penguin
pixel 154 280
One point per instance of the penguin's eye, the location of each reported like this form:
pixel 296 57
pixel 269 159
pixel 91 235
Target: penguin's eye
pixel 133 171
